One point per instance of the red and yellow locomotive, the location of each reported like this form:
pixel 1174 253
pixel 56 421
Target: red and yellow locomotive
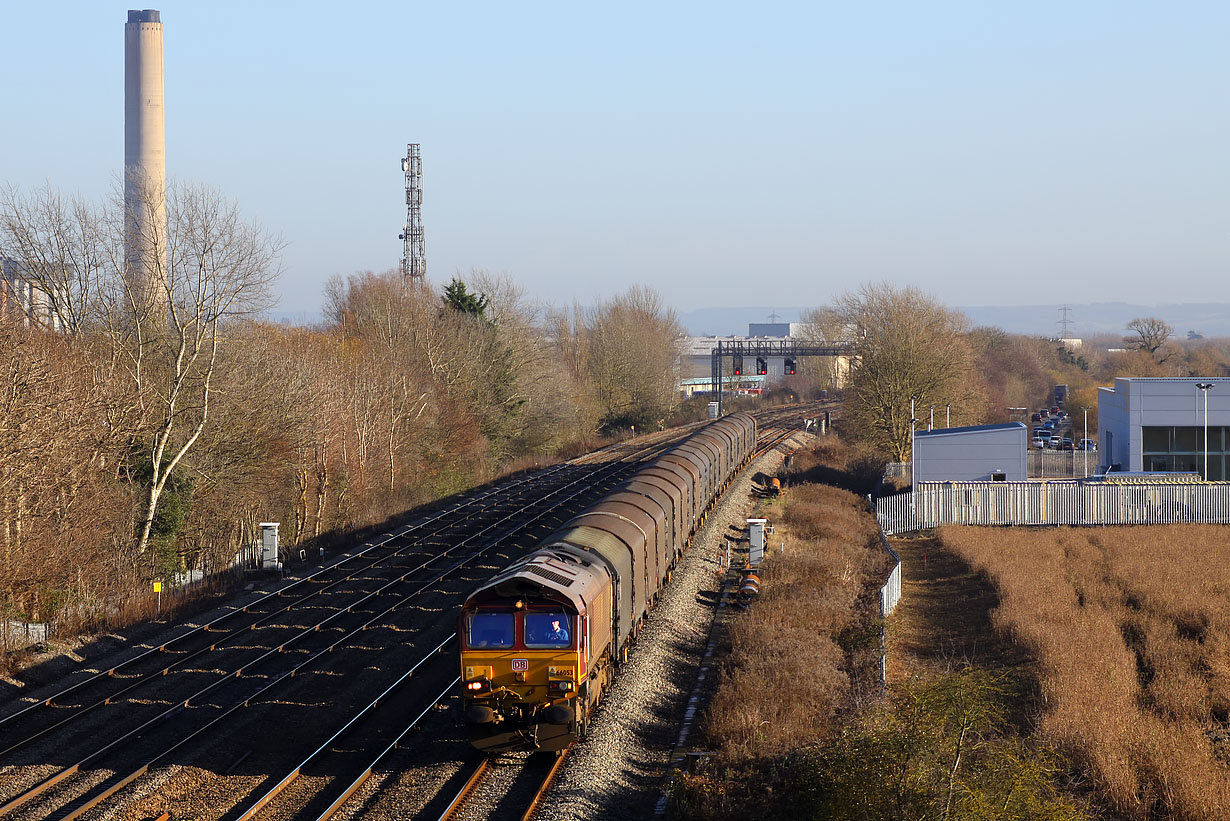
pixel 541 639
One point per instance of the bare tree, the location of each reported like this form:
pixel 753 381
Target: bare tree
pixel 66 249
pixel 218 268
pixel 1148 334
pixel 907 346
pixel 634 348
pixel 825 324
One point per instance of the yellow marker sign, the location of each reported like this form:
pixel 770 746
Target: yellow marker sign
pixel 157 587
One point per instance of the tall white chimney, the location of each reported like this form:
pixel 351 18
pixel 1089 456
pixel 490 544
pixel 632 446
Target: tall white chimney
pixel 145 163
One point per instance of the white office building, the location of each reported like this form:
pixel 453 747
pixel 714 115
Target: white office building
pixel 980 453
pixel 1158 424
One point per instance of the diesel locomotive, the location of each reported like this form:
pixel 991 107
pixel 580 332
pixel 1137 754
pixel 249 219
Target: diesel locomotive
pixel 541 640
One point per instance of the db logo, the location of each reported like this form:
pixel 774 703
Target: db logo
pixel 520 665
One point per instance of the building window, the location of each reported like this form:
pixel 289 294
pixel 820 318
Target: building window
pixel 1181 449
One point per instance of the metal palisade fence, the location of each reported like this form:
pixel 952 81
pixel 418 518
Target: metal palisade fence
pixel 890 594
pixel 1052 503
pixel 1042 464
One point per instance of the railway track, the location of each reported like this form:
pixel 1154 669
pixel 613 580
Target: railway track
pixel 169 706
pixel 73 790
pixel 454 799
pixel 532 778
pixel 148 713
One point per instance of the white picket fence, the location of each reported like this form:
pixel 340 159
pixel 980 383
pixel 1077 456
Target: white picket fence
pixel 1052 503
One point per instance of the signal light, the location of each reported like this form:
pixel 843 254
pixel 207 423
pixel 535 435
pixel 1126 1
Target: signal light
pixel 761 367
pixel 790 367
pixel 738 363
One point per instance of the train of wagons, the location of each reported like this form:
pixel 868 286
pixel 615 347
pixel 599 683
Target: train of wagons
pixel 541 640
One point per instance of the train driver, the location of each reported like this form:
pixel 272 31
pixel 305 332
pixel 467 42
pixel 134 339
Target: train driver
pixel 547 630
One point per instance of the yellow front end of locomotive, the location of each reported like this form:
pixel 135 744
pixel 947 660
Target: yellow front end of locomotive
pixel 523 677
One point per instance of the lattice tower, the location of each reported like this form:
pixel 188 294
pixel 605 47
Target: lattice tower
pixel 1064 322
pixel 414 257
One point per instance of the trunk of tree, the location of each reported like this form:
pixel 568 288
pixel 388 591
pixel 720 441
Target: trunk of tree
pixel 322 489
pixel 301 481
pixel 952 773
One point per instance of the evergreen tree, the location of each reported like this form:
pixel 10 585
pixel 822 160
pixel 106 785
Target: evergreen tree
pixel 459 298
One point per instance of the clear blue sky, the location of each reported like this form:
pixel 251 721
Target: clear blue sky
pixel 768 153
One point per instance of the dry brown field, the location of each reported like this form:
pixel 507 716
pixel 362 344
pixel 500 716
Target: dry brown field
pixel 813 599
pixel 1129 632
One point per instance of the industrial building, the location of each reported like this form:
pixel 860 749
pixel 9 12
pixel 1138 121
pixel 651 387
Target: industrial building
pixel 22 302
pixel 978 453
pixel 1158 424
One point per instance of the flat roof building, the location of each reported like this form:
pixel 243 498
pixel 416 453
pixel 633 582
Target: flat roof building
pixel 1158 423
pixel 979 453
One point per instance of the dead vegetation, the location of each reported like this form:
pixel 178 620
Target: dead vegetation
pixel 800 725
pixel 805 652
pixel 1130 628
pixel 812 633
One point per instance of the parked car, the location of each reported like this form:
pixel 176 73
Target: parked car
pixel 1054 410
pixel 1038 442
pixel 1054 441
pixel 1065 444
pixel 1037 417
pixel 1087 444
pixel 1044 414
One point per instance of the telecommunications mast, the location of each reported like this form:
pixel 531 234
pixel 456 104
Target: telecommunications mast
pixel 414 258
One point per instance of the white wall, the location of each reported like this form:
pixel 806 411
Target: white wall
pixel 971 455
pixel 1160 402
pixel 1114 430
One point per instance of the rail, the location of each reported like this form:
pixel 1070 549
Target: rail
pixel 322 752
pixel 483 769
pixel 84 803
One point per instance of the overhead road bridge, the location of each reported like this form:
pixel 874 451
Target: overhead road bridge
pixel 759 351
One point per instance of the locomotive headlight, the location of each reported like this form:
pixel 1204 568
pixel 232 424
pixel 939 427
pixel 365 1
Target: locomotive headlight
pixel 478 685
pixel 561 686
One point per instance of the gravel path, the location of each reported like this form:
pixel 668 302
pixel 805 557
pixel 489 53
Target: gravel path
pixel 617 771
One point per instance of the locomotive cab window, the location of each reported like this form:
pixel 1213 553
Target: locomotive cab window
pixel 547 629
pixel 490 630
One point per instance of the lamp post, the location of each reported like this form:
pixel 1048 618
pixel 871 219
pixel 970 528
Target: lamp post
pixel 948 415
pixel 913 454
pixel 931 424
pixel 1205 387
pixel 1085 438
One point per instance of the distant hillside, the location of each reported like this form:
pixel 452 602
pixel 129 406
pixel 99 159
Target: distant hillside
pixel 1207 319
